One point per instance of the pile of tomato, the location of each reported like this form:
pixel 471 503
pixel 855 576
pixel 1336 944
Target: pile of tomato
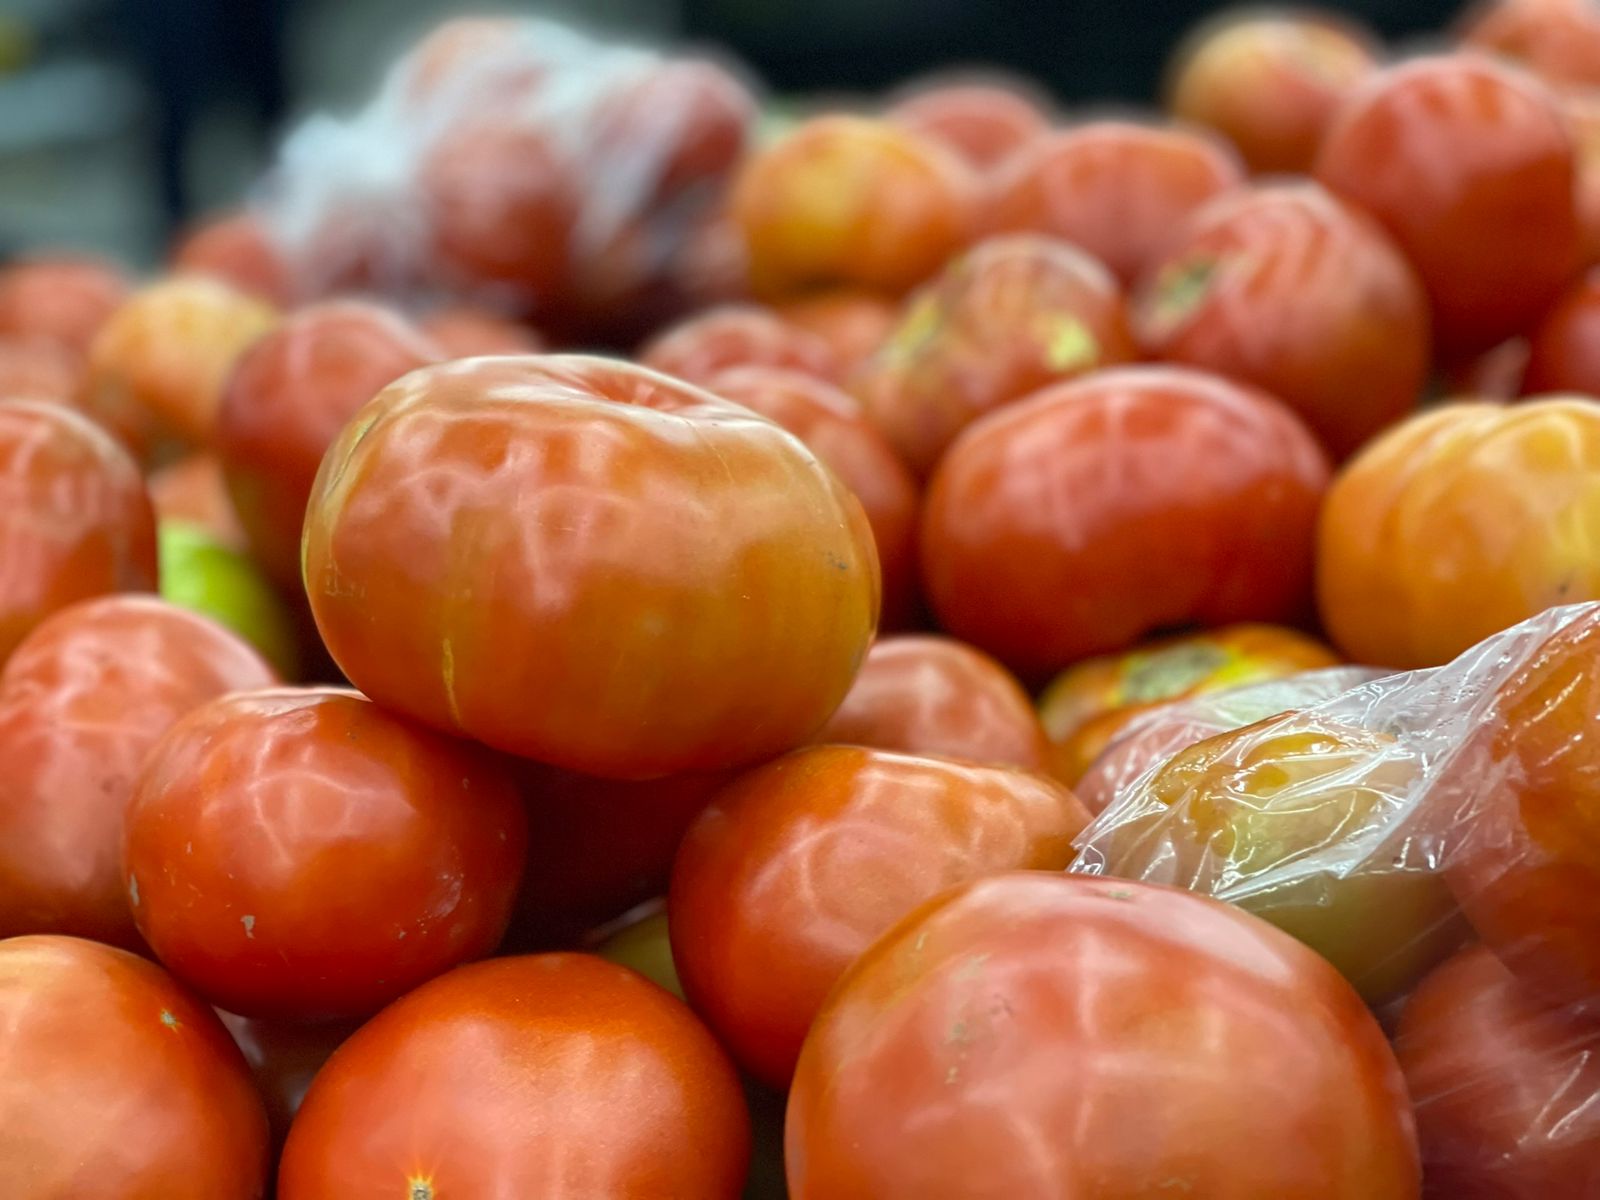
pixel 907 660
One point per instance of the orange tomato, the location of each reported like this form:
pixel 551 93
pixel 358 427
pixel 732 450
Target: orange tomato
pixel 854 322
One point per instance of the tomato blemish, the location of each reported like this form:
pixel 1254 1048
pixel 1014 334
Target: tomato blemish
pixel 169 1020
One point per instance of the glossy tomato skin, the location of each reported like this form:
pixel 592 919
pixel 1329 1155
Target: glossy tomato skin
pixel 1564 348
pixel 75 519
pixel 985 123
pixel 1144 1039
pixel 738 335
pixel 299 853
pixel 556 1075
pixel 799 865
pixel 1503 1086
pixel 1010 316
pixel 1458 523
pixel 118 1085
pixel 59 298
pixel 1100 510
pixel 853 321
pixel 195 491
pixel 234 247
pixel 1117 189
pixel 1471 168
pixel 1285 287
pixel 462 331
pixel 1558 40
pixel 288 398
pixel 933 695
pixel 688 535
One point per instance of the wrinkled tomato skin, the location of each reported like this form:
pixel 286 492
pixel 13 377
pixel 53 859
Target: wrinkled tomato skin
pixel 1471 167
pixel 985 123
pixel 556 1075
pixel 698 349
pixel 1105 1013
pixel 1100 510
pixel 235 249
pixel 1564 348
pixel 799 865
pixel 1284 287
pixel 75 519
pixel 1503 1086
pixel 1558 40
pixel 852 321
pixel 288 398
pixel 462 331
pixel 517 514
pixel 39 370
pixel 82 701
pixel 59 298
pixel 118 1085
pixel 301 854
pixel 194 490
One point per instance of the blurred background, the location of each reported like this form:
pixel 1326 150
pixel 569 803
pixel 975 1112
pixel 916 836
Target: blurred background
pixel 122 119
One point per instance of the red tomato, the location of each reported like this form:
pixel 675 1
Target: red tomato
pixel 75 520
pixel 118 1085
pixel 193 489
pixel 301 854
pixel 1494 375
pixel 1470 166
pixel 1033 1036
pixel 1504 1087
pixel 1284 287
pixel 59 298
pixel 462 331
pixel 288 398
pixel 1118 189
pixel 799 865
pixel 1564 348
pixel 855 323
pixel 1113 506
pixel 1583 115
pixel 552 1075
pixel 283 1057
pixel 1558 40
pixel 39 370
pixel 985 123
pixel 235 248
pixel 738 335
pixel 1003 320
pixel 591 565
pixel 924 694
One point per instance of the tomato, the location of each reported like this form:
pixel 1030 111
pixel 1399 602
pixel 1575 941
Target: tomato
pixel 1284 287
pixel 205 576
pixel 234 248
pixel 302 854
pixel 985 123
pixel 1558 40
pixel 1458 523
pixel 925 694
pixel 82 701
pixel 118 1084
pixel 61 298
pixel 462 331
pixel 39 370
pixel 193 490
pixel 1496 374
pixel 288 398
pixel 1470 166
pixel 1270 81
pixel 1118 189
pixel 550 1075
pixel 1035 1035
pixel 1583 116
pixel 640 942
pixel 1504 1087
pixel 283 1057
pixel 850 201
pixel 1116 505
pixel 1089 704
pixel 1003 320
pixel 75 520
pixel 799 865
pixel 737 336
pixel 589 564
pixel 853 322
pixel 1564 348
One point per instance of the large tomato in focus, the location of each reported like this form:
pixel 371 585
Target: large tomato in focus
pixel 59 298
pixel 591 565
pixel 852 321
pixel 1564 348
pixel 1470 166
pixel 288 398
pixel 301 854
pixel 799 865
pixel 1458 523
pixel 1505 1088
pixel 1003 320
pixel 1097 511
pixel 1033 1036
pixel 39 370
pixel 75 520
pixel 985 123
pixel 234 248
pixel 118 1085
pixel 1559 40
pixel 738 335
pixel 551 1075
pixel 1118 189
pixel 1285 287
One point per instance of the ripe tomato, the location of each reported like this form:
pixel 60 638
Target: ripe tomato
pixel 288 398
pixel 590 564
pixel 1470 166
pixel 39 370
pixel 118 1084
pixel 1270 81
pixel 1504 1087
pixel 844 200
pixel 462 331
pixel 853 322
pixel 1117 189
pixel 1116 505
pixel 1583 115
pixel 234 248
pixel 1559 40
pixel 301 854
pixel 193 490
pixel 75 520
pixel 738 335
pixel 1284 287
pixel 1003 320
pixel 1458 523
pixel 985 123
pixel 1062 1036
pixel 799 865
pixel 551 1075
pixel 59 298
pixel 1564 348
pixel 924 694
pixel 1494 375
